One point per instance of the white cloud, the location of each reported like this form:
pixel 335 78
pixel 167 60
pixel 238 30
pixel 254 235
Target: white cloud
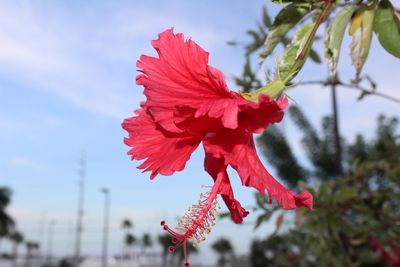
pixel 89 62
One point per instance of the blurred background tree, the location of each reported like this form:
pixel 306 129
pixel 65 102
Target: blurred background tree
pixel 146 242
pixel 32 249
pixel 351 212
pixel 6 222
pixel 17 238
pixel 130 241
pixel 223 247
pixel 165 241
pixel 356 184
pixel 128 238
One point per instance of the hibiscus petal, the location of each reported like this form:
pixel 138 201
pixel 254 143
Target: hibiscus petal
pixel 163 152
pixel 217 168
pixel 181 76
pixel 238 150
pixel 255 117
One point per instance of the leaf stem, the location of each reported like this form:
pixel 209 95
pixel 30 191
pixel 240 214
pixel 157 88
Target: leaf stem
pixel 299 60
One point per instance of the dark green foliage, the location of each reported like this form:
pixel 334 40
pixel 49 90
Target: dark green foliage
pixel 319 148
pixel 274 251
pixel 350 210
pixel 222 246
pixel 266 209
pixel 165 241
pixel 358 152
pixel 126 224
pixel 16 237
pixel 5 194
pixel 257 254
pixel 146 240
pixel 130 240
pixel 6 222
pixel 258 40
pixel 249 80
pixel 66 262
pixel 277 150
pixel 356 185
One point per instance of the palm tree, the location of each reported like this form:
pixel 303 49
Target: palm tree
pixel 130 241
pixel 222 247
pixel 6 222
pixel 146 241
pixel 17 238
pixel 165 241
pixel 126 226
pixel 31 247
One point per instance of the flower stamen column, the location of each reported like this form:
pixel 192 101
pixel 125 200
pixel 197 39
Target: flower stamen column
pixel 196 222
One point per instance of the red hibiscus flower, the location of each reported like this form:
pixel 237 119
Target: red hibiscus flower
pixel 188 102
pixel 392 256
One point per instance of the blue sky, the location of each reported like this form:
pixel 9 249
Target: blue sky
pixel 67 71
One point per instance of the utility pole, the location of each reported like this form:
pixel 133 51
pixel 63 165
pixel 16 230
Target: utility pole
pixel 41 233
pixel 104 255
pixel 336 134
pixel 81 198
pixel 50 236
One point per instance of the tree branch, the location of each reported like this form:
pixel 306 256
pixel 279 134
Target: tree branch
pixel 352 87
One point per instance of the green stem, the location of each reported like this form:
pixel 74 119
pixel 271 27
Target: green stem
pixel 275 88
pixel 299 60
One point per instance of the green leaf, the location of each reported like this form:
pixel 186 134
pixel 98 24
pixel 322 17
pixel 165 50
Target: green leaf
pixel 387 28
pixel 287 18
pixel 361 33
pixel 334 36
pixel 258 40
pixel 286 68
pixel 265 17
pixel 315 57
pixel 260 202
pixel 224 215
pixel 262 218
